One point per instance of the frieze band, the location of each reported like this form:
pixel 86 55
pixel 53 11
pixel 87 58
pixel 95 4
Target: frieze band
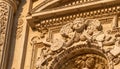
pixel 40 25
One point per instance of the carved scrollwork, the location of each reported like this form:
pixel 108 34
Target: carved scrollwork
pixel 3 20
pixel 19 27
pixel 80 32
pixel 89 61
pixel 3 24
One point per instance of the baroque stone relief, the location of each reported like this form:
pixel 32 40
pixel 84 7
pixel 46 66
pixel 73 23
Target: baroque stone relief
pixel 89 61
pixel 3 24
pixel 59 21
pixel 76 37
pixel 19 27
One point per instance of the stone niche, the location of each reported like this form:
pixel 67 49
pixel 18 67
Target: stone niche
pixel 79 44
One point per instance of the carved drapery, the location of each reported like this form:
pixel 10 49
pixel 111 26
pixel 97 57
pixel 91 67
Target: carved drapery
pixel 7 9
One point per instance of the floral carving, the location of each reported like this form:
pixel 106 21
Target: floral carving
pixel 19 27
pixel 3 20
pixel 3 24
pixel 80 32
pixel 89 61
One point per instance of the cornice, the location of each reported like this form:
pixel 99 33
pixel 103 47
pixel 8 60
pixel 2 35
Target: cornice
pixel 58 21
pixel 12 3
pixel 69 9
pixel 59 16
pixel 44 4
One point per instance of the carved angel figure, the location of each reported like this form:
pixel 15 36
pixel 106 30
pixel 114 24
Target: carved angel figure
pixel 66 30
pixel 72 31
pixel 79 25
pixel 94 30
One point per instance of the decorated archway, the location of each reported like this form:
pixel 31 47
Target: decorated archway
pixel 81 57
pixel 81 44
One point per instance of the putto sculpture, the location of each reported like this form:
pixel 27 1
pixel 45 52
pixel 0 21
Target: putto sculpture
pixel 76 37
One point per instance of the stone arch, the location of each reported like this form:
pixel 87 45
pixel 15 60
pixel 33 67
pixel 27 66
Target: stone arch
pixel 76 51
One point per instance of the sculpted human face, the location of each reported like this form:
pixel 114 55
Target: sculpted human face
pixel 78 26
pixel 90 30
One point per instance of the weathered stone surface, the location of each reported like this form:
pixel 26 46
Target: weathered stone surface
pixel 87 33
pixel 60 34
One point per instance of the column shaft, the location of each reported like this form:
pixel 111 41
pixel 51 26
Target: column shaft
pixel 6 20
pixel 115 22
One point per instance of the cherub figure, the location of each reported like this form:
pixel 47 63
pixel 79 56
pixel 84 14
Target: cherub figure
pixel 72 31
pixel 94 29
pixel 93 33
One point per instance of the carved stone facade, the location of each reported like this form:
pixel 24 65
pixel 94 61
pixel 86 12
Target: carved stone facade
pixel 3 25
pixel 82 44
pixel 60 34
pixel 6 16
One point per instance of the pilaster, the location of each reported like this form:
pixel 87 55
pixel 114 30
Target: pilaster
pixel 7 9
